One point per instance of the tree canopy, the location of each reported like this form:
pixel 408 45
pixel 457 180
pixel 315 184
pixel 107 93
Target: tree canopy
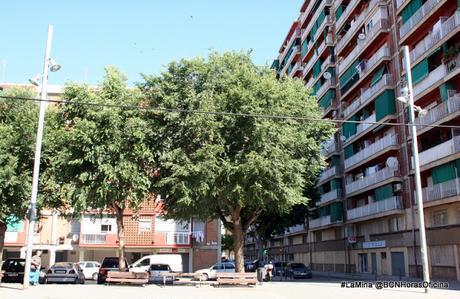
pixel 233 166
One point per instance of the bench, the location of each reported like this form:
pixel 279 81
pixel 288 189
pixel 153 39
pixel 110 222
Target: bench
pixel 127 278
pixel 237 278
pixel 1 275
pixel 183 275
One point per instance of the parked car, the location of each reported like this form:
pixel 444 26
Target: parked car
pixel 14 270
pixel 144 263
pixel 65 272
pixel 279 268
pixel 250 266
pixel 157 271
pixel 90 269
pixel 211 273
pixel 298 270
pixel 108 264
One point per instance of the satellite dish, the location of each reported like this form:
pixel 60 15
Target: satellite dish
pixel 327 75
pixel 361 36
pixel 392 162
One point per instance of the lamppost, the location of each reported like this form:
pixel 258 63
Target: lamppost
pixel 51 65
pixel 408 98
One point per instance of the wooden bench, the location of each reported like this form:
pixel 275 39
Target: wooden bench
pixel 184 275
pixel 1 275
pixel 127 278
pixel 237 278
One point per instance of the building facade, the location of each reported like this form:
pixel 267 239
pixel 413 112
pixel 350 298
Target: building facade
pixel 348 54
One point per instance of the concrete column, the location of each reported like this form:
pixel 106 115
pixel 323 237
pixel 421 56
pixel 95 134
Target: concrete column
pixel 52 252
pixel 190 260
pixel 23 252
pixel 81 255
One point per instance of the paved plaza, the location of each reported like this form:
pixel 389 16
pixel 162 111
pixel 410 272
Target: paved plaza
pixel 317 288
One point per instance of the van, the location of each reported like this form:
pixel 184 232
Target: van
pixel 143 264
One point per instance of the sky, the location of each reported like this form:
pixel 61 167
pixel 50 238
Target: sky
pixel 137 36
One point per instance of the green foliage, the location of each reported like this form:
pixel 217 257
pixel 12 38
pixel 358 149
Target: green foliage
pixel 101 158
pixel 226 166
pixel 18 120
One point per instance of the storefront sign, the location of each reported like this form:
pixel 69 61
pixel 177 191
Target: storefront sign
pixel 374 244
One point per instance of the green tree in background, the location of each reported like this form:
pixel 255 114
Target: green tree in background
pixel 18 125
pixel 233 167
pixel 103 160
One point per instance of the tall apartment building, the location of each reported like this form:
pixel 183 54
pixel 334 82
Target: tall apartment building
pixel 348 54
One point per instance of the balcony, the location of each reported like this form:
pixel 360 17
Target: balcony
pixel 366 124
pixel 310 64
pixel 440 111
pixel 371 150
pixel 294 35
pixel 177 238
pixel 295 52
pixel 296 68
pixel 314 18
pixel 295 229
pixel 441 191
pixel 381 206
pixel 325 87
pixel 93 239
pixel 346 13
pixel 432 39
pixel 400 2
pixel 328 197
pixel 318 222
pixel 417 17
pixel 437 74
pixel 370 180
pixel 327 22
pixel 310 82
pixel 355 25
pixel 367 94
pixel 306 13
pixel 440 151
pixel 328 148
pixel 327 173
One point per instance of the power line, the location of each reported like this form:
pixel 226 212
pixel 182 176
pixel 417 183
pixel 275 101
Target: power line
pixel 265 116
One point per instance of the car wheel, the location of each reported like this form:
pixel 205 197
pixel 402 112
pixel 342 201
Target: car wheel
pixel 204 277
pixel 94 277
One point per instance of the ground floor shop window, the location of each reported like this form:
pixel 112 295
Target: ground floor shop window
pixel 363 265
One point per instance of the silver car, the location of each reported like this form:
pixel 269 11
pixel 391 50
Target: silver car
pixel 65 272
pixel 158 273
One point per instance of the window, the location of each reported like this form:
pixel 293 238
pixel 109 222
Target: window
pixel 145 225
pixel 362 257
pixel 106 228
pixel 440 218
pixel 144 262
pixel 88 265
pixel 395 224
pixel 318 237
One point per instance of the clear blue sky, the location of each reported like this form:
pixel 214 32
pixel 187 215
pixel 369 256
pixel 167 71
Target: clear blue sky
pixel 136 36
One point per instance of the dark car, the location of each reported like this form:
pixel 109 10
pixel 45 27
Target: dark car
pixel 279 268
pixel 249 266
pixel 14 270
pixel 157 274
pixel 298 270
pixel 108 264
pixel 65 272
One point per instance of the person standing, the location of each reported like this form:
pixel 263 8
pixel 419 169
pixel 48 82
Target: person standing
pixel 35 268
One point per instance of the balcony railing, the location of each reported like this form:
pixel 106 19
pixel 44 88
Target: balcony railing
pixel 327 21
pixel 440 111
pixel 295 35
pixel 434 37
pixel 453 65
pixel 442 190
pixel 295 229
pixel 440 151
pixel 433 77
pixel 370 180
pixel 93 238
pixel 327 173
pixel 328 148
pixel 310 64
pixel 326 85
pixel 367 94
pixel 399 3
pixel 346 13
pixel 297 67
pixel 367 123
pixel 306 13
pixel 291 57
pixel 177 238
pixel 371 150
pixel 315 16
pixel 310 82
pixel 318 222
pixel 415 19
pixel 329 196
pixel 389 204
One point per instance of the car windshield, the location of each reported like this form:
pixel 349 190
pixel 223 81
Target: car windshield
pixel 159 267
pixel 111 262
pixel 17 265
pixel 298 266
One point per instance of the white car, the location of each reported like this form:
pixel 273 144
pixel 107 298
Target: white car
pixel 211 273
pixel 90 269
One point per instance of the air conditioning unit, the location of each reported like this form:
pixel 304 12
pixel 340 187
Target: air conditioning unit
pixel 397 187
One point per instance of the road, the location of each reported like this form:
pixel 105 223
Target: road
pixel 316 288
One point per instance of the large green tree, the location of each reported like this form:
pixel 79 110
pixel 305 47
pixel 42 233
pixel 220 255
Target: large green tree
pixel 227 166
pixel 103 158
pixel 18 121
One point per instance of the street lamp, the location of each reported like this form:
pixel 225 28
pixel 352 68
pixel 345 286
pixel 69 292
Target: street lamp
pixel 408 98
pixel 49 64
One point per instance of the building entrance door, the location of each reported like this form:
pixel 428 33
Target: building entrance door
pixel 374 262
pixel 398 266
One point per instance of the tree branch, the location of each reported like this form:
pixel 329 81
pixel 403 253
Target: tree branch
pixel 227 225
pixel 251 219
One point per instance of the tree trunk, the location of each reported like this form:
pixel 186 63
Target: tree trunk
pixel 2 238
pixel 121 237
pixel 238 242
